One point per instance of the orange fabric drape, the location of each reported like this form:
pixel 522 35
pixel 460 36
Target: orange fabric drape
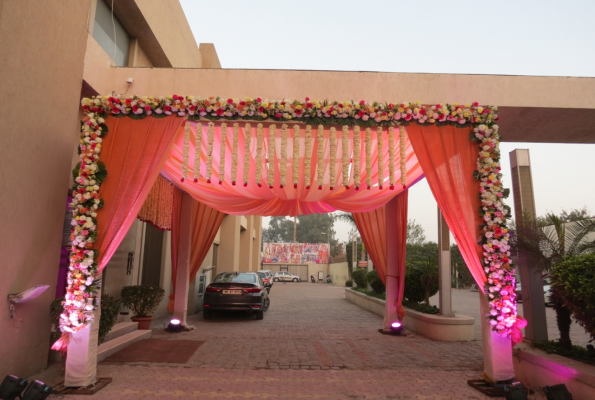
pixel 448 159
pixel 372 226
pixel 157 208
pixel 205 224
pixel 396 232
pixel 133 152
pixel 175 230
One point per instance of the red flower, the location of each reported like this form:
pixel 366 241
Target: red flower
pixel 202 109
pixel 391 105
pixel 307 99
pixel 282 103
pixel 309 105
pixel 220 111
pixel 340 105
pixel 360 113
pixel 118 101
pixel 475 104
pixel 422 111
pixel 147 108
pixel 135 108
pixel 361 103
pixel 258 99
pixel 261 109
pixel 298 112
pixel 229 101
pixel 331 109
pixel 111 99
pixel 242 103
pixel 277 115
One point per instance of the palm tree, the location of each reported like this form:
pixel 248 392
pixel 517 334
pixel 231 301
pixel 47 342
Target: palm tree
pixel 428 274
pixel 548 243
pixel 348 218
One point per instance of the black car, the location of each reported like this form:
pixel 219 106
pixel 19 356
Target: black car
pixel 236 291
pixel 268 282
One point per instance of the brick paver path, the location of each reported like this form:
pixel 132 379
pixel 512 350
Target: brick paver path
pixel 311 344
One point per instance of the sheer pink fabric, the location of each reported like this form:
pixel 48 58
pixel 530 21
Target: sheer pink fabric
pixel 448 159
pixel 384 232
pixel 240 200
pixel 133 151
pixel 205 223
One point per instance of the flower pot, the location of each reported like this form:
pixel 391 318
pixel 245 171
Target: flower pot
pixel 143 322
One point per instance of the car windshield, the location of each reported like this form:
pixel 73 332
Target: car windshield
pixel 262 274
pixel 227 277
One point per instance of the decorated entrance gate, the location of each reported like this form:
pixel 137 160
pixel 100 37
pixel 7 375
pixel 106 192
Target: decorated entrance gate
pixel 281 157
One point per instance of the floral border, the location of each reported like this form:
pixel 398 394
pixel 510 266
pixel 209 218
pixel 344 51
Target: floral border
pixel 83 283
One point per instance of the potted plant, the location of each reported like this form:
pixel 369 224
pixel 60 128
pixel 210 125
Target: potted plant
pixel 143 301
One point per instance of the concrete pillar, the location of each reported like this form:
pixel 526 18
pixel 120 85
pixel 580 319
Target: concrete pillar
pixel 229 249
pixel 246 247
pixel 444 267
pixel 256 242
pixel 531 281
pixel 183 267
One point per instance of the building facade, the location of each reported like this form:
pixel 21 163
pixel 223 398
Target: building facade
pixel 55 53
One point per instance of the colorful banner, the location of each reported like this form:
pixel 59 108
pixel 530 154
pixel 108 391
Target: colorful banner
pixel 296 253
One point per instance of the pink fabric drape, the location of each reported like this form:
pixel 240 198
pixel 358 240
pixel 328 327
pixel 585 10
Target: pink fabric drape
pixel 240 200
pixel 372 226
pixel 205 222
pixel 448 159
pixel 396 232
pixel 134 152
pixel 175 231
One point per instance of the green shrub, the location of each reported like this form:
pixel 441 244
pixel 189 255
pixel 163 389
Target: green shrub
pixel 374 280
pixel 110 309
pixel 573 282
pixel 348 283
pixel 421 307
pixel 415 291
pixel 359 277
pixel 142 300
pixel 381 296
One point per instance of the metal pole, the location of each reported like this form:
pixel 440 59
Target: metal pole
pixel 444 274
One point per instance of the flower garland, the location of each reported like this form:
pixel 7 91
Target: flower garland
pixel 357 149
pixel 247 140
pixel 222 154
pixel 81 298
pixel 185 152
pixel 197 151
pixel 333 157
pixel 259 154
pixel 368 157
pixel 234 155
pixel 319 155
pixel 309 111
pixel 283 171
pixel 345 158
pixel 403 155
pixel 271 159
pixel 210 152
pixel 391 157
pixel 296 155
pixel 380 157
pixel 308 162
pixel 498 266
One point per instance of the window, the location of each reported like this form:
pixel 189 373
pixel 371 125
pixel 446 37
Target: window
pixel 235 277
pixel 110 34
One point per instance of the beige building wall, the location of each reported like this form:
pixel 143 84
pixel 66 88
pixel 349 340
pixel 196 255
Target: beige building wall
pixel 43 47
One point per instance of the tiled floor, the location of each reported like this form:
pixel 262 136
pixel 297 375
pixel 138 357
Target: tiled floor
pixel 311 344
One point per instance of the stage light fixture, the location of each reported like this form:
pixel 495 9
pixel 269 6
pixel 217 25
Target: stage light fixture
pixel 36 391
pixel 11 387
pixel 516 391
pixel 396 328
pixel 557 392
pixel 174 326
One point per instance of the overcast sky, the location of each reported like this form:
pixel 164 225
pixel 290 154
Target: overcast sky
pixel 550 38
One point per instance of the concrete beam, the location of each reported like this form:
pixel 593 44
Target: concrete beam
pixel 533 109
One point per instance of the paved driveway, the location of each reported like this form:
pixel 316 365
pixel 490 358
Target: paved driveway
pixel 311 344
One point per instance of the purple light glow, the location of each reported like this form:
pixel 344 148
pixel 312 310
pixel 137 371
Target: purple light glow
pixel 395 325
pixel 175 322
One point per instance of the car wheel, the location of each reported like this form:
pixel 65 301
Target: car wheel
pixel 276 280
pixel 260 314
pixel 267 303
pixel 295 279
pixel 207 314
